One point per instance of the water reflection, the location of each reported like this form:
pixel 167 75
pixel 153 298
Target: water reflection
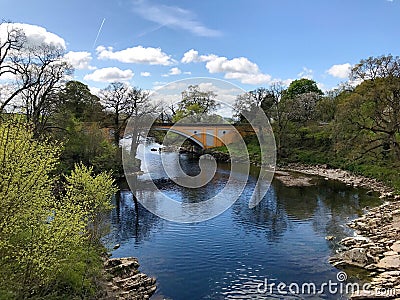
pixel 282 239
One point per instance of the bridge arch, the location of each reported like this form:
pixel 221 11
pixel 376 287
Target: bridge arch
pixel 200 144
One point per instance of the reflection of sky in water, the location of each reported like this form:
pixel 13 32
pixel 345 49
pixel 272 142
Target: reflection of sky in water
pixel 281 239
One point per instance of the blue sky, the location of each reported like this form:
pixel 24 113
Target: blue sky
pixel 249 43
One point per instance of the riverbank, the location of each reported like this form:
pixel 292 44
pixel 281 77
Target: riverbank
pixel 343 176
pixel 125 281
pixel 349 178
pixel 376 246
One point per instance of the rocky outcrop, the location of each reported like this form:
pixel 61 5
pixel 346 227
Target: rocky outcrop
pixel 293 179
pixel 345 177
pixel 125 280
pixel 219 156
pixel 376 249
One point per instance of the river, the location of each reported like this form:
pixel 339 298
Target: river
pixel 234 255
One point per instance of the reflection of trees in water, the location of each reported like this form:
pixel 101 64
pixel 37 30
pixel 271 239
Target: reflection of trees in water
pixel 341 204
pixel 300 203
pixel 131 220
pixel 183 194
pixel 327 205
pixel 268 216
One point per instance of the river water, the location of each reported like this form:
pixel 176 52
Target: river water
pixel 233 256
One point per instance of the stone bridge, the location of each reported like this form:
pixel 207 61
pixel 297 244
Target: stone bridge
pixel 206 135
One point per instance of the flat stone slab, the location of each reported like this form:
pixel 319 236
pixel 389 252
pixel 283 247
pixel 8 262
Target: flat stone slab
pixel 389 262
pixel 390 253
pixel 396 247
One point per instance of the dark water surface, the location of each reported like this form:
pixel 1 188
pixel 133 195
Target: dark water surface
pixel 283 239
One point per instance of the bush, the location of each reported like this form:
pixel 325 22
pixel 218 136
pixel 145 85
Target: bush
pixel 46 244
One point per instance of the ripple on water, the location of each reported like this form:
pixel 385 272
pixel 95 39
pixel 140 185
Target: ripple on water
pixel 228 257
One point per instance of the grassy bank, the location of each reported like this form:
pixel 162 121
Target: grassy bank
pixel 388 174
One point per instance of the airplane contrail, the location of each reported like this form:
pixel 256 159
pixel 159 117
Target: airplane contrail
pixel 98 33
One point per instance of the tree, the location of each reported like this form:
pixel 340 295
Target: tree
pixel 370 118
pixel 44 237
pixel 195 104
pixel 302 86
pixel 123 102
pixel 36 73
pixel 87 191
pixel 374 106
pixel 48 70
pixel 376 67
pixel 13 40
pixel 75 98
pixel 279 115
pixel 248 103
pixel 11 45
pixel 77 120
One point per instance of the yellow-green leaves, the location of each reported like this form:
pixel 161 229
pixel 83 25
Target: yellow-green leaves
pixel 41 235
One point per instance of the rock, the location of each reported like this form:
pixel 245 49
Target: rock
pixel 116 246
pixel 389 262
pixel 330 238
pixel 126 280
pixel 353 257
pixel 390 253
pixel 396 247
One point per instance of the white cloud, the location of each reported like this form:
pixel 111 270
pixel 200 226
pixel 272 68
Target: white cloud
pixel 173 17
pixel 138 54
pixel 80 60
pixel 175 71
pixel 145 74
pixel 172 72
pixel 239 68
pixel 249 78
pixel 235 65
pixel 94 90
pixel 193 56
pixel 340 71
pixel 190 56
pixel 110 74
pixel 35 35
pixel 187 73
pixel 306 73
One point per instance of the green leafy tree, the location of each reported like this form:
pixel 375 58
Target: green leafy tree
pixel 370 119
pixel 195 104
pixel 302 86
pixel 86 191
pixel 44 245
pixel 78 122
pixel 77 100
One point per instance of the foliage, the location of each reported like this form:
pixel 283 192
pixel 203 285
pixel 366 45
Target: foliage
pixel 302 86
pixel 42 235
pixel 78 122
pixel 370 119
pixel 354 128
pixel 195 104
pixel 77 100
pixel 87 143
pixel 92 195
